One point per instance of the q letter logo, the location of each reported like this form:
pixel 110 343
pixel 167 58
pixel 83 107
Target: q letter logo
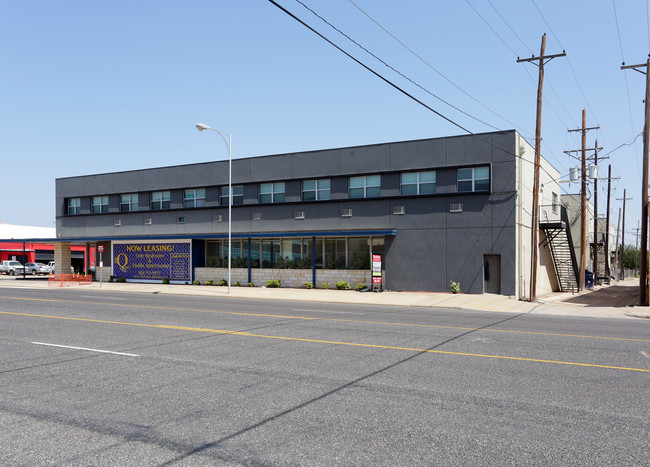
pixel 122 261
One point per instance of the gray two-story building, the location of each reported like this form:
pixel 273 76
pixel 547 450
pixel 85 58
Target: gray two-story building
pixel 434 210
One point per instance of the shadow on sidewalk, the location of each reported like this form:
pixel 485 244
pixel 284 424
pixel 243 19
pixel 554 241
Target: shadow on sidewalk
pixel 617 295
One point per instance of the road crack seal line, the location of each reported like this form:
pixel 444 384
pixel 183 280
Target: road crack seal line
pixel 319 341
pixel 339 320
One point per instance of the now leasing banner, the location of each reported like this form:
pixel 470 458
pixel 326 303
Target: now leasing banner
pixel 151 262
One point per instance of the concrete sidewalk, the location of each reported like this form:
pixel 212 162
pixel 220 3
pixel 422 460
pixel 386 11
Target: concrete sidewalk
pixel 614 301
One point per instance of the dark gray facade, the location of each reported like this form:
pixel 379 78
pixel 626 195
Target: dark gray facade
pixel 431 246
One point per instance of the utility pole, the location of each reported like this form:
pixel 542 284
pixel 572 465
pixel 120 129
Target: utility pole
pixel 636 246
pixel 596 215
pixel 609 194
pixel 623 235
pixel 595 264
pixel 583 195
pixel 534 227
pixel 618 228
pixel 643 275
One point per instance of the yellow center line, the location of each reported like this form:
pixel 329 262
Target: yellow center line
pixel 320 341
pixel 340 320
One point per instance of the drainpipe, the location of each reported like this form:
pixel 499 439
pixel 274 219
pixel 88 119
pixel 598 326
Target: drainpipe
pixel 313 260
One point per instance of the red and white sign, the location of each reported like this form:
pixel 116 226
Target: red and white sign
pixel 376 280
pixel 100 248
pixel 376 265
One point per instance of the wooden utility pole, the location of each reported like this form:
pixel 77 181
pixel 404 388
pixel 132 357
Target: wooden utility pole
pixel 623 234
pixel 583 196
pixel 542 60
pixel 643 274
pixel 595 263
pixel 618 228
pixel 609 194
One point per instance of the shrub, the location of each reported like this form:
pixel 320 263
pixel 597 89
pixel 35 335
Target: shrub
pixel 120 279
pixel 361 286
pixel 187 283
pixel 309 285
pixel 273 283
pixel 196 282
pixel 209 282
pixel 238 262
pixel 223 282
pixel 165 280
pixel 343 285
pixel 250 284
pixel 236 284
pixel 111 279
pixel 326 285
pixel 454 287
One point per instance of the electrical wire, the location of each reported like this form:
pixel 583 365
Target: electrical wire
pixel 514 125
pixel 509 27
pixel 569 62
pixel 394 69
pixel 407 94
pixel 627 86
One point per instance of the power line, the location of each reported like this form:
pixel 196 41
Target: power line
pixel 514 125
pixel 627 86
pixel 407 94
pixel 493 30
pixel 394 69
pixel 509 27
pixel 529 75
pixel 584 97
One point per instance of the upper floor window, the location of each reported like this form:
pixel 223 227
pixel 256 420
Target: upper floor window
pixel 237 195
pixel 365 187
pixel 129 202
pixel 194 198
pixel 99 204
pixel 418 183
pixel 74 206
pixel 315 190
pixel 474 179
pixel 160 200
pixel 556 202
pixel 272 192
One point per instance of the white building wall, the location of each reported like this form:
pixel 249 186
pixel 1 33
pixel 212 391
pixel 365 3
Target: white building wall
pixel 549 185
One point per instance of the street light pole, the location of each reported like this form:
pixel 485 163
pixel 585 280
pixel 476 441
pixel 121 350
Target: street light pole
pixel 201 127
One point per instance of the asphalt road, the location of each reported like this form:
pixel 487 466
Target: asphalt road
pixel 202 381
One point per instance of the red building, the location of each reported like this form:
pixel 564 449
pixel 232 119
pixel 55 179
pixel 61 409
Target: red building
pixel 29 245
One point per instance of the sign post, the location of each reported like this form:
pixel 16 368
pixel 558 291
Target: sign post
pixel 100 248
pixel 376 273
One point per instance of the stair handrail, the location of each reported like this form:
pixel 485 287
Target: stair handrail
pixel 574 262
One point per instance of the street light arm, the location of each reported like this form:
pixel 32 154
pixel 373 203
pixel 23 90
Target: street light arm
pixel 202 126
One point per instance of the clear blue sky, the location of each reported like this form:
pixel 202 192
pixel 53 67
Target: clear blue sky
pixel 92 87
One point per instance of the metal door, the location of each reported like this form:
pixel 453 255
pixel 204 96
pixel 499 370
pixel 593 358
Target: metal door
pixel 492 274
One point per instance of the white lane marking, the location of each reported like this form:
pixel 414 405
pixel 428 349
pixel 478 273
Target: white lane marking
pixel 90 350
pixel 325 311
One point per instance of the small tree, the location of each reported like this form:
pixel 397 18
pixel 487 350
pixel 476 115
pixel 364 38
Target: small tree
pixel 630 257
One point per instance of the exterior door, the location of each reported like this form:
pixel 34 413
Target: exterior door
pixel 492 274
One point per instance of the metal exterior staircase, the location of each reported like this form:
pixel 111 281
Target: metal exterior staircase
pixel 559 241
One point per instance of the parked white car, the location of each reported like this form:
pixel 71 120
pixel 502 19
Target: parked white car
pixel 11 267
pixel 52 269
pixel 37 268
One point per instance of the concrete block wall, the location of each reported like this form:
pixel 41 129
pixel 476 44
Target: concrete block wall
pixel 288 277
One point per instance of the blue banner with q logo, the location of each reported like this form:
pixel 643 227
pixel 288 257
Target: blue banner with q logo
pixel 152 261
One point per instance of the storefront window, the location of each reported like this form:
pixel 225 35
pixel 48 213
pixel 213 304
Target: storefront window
pixel 213 253
pixel 335 253
pixel 358 253
pixel 270 253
